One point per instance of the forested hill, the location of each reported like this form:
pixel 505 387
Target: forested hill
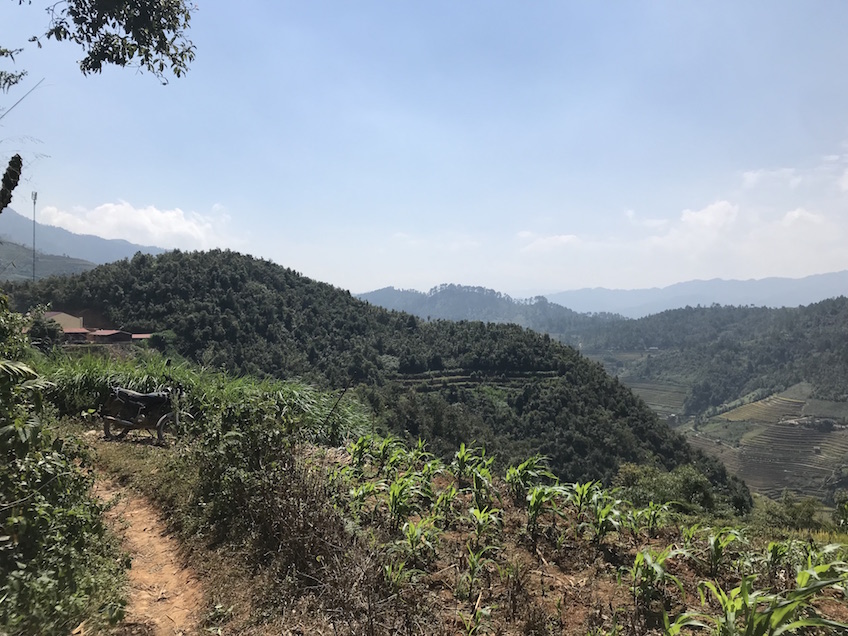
pixel 514 390
pixel 725 353
pixel 461 302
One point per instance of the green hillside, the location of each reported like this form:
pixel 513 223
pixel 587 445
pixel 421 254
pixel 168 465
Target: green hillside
pixel 516 391
pixel 460 302
pixel 16 263
pixel 723 354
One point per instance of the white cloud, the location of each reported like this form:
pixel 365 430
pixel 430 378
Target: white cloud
pixel 549 243
pixel 843 181
pixel 785 176
pixel 646 223
pixel 147 225
pixel 713 218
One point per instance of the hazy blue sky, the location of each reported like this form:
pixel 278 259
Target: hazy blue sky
pixel 528 147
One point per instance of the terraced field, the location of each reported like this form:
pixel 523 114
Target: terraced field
pixel 772 409
pixel 665 399
pixel 784 456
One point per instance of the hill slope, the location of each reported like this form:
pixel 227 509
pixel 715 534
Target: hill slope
pixel 16 263
pixel 458 302
pixel 517 391
pixel 54 240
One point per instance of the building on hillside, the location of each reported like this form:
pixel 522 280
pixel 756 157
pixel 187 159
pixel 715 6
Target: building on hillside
pixel 138 337
pixel 76 335
pixel 65 321
pixel 109 336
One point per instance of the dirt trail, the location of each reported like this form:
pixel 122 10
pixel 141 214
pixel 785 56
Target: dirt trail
pixel 165 597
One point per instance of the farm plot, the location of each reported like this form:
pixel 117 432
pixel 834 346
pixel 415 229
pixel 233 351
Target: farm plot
pixel 772 409
pixel 784 456
pixel 664 399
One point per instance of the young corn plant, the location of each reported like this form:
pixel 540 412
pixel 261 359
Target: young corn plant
pixel 746 611
pixel 382 452
pixel 581 495
pixel 718 543
pixel 481 485
pixel 649 583
pixel 527 474
pixel 476 622
pixel 420 540
pixel 604 515
pixel 443 509
pixel 477 563
pixel 650 519
pixel 400 501
pixel 463 461
pixel 539 500
pixel 485 522
pixel 359 451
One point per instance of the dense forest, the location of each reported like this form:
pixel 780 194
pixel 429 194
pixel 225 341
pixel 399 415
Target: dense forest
pixel 461 302
pixel 514 390
pixel 722 353
pixel 725 353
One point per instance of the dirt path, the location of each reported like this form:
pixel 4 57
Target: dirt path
pixel 165 597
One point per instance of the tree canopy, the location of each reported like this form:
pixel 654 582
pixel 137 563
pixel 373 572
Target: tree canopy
pixel 150 34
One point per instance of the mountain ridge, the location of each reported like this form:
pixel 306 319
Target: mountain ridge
pixel 49 239
pixel 772 292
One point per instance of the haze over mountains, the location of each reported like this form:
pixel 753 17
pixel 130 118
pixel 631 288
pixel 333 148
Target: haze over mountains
pixel 78 250
pixel 15 228
pixel 486 304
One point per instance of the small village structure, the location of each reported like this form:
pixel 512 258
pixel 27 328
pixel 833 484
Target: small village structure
pixel 76 333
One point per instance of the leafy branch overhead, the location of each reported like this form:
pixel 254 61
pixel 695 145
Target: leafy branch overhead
pixel 150 34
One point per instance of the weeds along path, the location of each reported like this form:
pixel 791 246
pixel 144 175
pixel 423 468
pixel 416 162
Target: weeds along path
pixel 165 597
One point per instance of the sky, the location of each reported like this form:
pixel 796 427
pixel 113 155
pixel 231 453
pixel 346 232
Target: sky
pixel 525 147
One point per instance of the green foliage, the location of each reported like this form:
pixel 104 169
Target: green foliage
pixel 57 565
pixel 443 382
pixel 717 550
pixel 527 474
pixel 149 34
pixel 746 611
pixel 650 580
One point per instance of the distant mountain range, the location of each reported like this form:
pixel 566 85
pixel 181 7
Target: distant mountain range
pixel 766 292
pixel 15 228
pixel 458 302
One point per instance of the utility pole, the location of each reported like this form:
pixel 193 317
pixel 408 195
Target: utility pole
pixel 34 198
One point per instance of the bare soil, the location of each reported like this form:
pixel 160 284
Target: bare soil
pixel 165 595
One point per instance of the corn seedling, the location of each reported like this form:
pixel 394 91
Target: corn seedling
pixel 580 495
pixel 485 522
pixel 527 474
pixel 718 543
pixel 749 612
pixel 605 511
pixel 475 622
pixel 359 450
pixel 539 499
pixel 477 563
pixel 443 508
pixel 420 540
pixel 650 579
pixel 400 501
pixel 481 485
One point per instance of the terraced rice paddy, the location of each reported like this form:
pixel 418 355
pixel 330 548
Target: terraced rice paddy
pixel 772 409
pixel 665 399
pixel 783 456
